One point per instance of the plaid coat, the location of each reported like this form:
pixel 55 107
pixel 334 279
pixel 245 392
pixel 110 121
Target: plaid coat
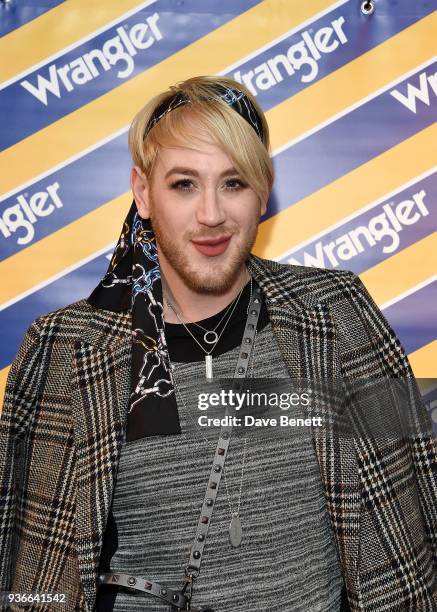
pixel 64 418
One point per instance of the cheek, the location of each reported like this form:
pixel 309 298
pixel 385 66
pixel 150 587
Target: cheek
pixel 247 216
pixel 173 220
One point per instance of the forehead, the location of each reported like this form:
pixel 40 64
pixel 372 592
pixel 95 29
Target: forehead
pixel 201 156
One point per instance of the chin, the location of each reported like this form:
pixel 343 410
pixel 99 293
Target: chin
pixel 216 282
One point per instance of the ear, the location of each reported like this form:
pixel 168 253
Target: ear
pixel 263 208
pixel 140 189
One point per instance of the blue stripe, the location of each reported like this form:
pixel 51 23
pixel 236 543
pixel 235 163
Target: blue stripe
pixel 15 14
pixel 430 396
pixel 84 185
pixel 414 318
pixel 392 225
pixel 175 28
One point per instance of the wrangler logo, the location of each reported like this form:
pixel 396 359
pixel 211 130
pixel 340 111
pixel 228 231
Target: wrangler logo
pixel 302 56
pixel 118 50
pixel 383 227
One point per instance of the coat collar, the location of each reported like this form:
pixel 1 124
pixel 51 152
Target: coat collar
pixel 306 336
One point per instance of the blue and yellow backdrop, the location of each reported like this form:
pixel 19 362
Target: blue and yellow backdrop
pixel 350 99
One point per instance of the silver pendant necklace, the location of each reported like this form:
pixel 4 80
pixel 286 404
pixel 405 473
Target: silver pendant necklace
pixel 215 337
pixel 213 332
pixel 235 530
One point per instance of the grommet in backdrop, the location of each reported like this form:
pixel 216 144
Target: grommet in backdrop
pixel 367 7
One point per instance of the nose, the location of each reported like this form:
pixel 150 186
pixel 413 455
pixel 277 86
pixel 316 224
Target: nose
pixel 209 209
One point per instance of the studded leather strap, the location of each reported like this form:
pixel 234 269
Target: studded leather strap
pixel 176 598
pixel 224 439
pixel 180 599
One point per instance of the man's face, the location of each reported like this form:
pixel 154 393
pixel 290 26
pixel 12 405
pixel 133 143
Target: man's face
pixel 205 217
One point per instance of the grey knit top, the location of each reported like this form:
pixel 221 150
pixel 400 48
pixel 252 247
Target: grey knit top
pixel 287 560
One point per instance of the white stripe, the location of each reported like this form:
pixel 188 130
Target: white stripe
pixel 76 44
pixel 48 281
pixel 64 163
pixel 357 213
pixel 408 292
pixel 353 107
pixel 279 39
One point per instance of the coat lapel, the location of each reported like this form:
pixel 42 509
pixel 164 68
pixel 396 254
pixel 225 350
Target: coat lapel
pixel 305 331
pixel 100 395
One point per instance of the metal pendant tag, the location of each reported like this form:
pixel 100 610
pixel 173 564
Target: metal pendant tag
pixel 235 531
pixel 208 366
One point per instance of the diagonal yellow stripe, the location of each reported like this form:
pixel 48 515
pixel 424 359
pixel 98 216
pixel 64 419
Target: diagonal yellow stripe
pixel 344 196
pixel 240 37
pixel 424 361
pixel 402 270
pixel 64 248
pixel 354 81
pixel 56 29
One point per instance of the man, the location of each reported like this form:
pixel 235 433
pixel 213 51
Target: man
pixel 114 496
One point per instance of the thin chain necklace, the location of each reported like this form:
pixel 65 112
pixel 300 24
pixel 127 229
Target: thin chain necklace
pixel 208 331
pixel 208 356
pixel 191 322
pixel 235 528
pixel 212 331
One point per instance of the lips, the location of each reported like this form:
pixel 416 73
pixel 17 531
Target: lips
pixel 212 246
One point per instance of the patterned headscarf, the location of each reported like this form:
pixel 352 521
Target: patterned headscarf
pixel 234 98
pixel 133 280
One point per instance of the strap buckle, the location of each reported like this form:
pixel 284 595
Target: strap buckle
pixel 187 587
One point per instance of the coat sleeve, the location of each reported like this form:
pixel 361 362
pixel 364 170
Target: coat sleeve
pixel 21 394
pixel 391 361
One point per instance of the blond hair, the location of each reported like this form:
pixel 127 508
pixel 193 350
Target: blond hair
pixel 250 155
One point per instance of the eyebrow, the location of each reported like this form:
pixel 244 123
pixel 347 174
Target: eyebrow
pixel 192 172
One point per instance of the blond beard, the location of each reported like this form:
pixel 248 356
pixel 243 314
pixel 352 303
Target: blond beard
pixel 215 279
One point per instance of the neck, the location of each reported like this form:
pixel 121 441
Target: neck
pixel 193 305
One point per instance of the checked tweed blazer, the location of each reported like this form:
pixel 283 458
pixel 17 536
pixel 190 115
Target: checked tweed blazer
pixel 63 424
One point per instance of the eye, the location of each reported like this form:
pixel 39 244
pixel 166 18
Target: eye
pixel 239 184
pixel 186 185
pixel 181 184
